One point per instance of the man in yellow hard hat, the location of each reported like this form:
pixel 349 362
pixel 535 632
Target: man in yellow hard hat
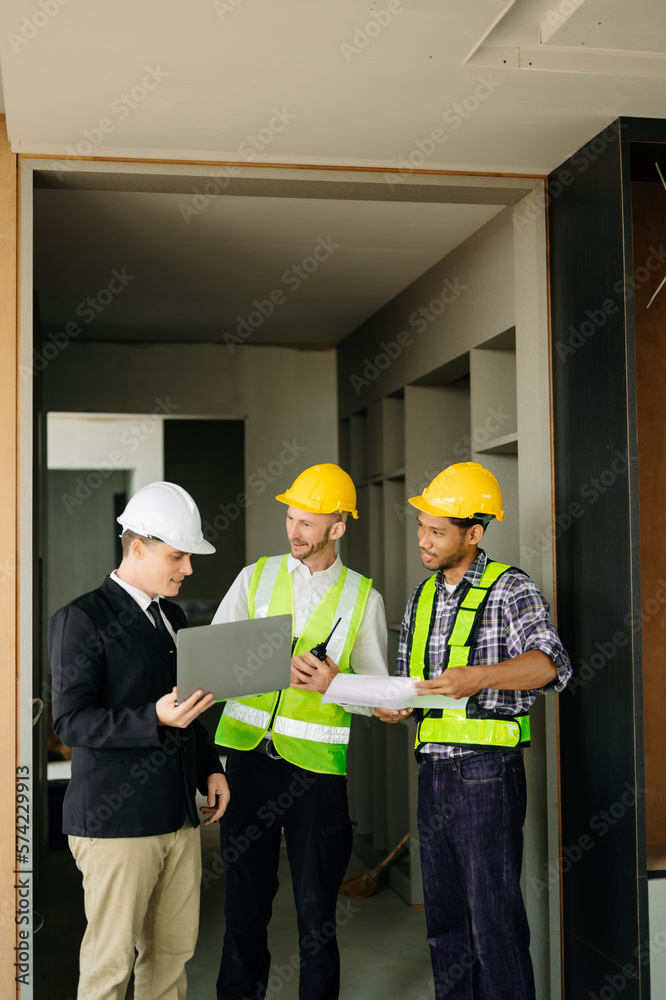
pixel 478 630
pixel 287 750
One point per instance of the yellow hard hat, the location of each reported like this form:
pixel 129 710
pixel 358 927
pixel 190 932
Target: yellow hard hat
pixel 322 489
pixel 463 490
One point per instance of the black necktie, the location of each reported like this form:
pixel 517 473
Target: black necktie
pixel 156 615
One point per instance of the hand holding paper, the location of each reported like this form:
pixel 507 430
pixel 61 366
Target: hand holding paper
pixel 377 692
pixel 384 692
pixel 461 682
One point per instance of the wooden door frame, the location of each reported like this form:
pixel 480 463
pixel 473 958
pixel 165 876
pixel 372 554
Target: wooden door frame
pixel 15 889
pixel 16 438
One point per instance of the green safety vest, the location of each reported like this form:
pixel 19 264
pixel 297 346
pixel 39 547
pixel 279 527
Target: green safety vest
pixel 305 732
pixel 460 726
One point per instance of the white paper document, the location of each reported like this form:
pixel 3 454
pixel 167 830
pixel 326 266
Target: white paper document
pixel 384 692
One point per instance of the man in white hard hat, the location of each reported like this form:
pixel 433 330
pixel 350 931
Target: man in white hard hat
pixel 479 630
pixel 287 751
pixel 138 756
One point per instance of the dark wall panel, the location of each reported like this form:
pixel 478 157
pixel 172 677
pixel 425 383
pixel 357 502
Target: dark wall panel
pixel 206 457
pixel 598 590
pixel 648 202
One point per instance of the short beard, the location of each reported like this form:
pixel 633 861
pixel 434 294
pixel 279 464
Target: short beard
pixel 454 558
pixel 316 546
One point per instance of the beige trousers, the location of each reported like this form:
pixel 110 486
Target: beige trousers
pixel 140 893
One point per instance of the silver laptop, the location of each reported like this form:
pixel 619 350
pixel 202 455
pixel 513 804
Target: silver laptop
pixel 235 660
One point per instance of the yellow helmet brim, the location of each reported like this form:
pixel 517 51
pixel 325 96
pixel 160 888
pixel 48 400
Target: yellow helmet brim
pixel 322 489
pixel 315 506
pixel 447 509
pixel 430 508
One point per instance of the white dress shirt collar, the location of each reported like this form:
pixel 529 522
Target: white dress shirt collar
pixel 140 596
pixel 333 572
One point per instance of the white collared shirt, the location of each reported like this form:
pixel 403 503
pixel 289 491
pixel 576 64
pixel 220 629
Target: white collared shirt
pixel 144 601
pixel 368 654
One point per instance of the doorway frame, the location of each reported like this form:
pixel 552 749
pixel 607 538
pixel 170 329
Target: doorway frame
pixel 229 178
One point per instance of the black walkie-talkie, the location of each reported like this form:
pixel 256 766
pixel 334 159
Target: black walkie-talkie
pixel 320 649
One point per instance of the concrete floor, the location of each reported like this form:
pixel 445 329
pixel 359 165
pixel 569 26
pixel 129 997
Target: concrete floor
pixel 382 940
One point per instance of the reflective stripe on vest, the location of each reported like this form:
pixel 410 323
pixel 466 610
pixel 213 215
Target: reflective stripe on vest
pixel 455 728
pixel 345 610
pixel 245 713
pixel 304 731
pixel 310 731
pixel 450 725
pixel 262 585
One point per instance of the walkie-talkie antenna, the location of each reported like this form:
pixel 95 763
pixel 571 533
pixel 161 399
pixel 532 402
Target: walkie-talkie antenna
pixel 320 649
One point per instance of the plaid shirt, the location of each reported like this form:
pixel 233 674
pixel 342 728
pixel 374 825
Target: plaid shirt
pixel 515 619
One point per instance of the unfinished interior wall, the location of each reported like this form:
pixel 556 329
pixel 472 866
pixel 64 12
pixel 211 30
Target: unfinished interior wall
pixel 289 401
pixel 81 549
pixel 455 368
pixel 286 397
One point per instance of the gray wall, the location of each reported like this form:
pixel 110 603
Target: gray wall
pixel 286 397
pixel 465 314
pixel 81 532
pixel 477 280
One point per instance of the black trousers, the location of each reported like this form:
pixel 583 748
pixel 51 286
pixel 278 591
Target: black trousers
pixel 267 796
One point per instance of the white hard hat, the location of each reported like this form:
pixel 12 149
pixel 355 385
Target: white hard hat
pixel 167 512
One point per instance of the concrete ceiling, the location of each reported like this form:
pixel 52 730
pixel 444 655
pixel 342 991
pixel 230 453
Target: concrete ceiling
pixel 245 270
pixel 490 86
pixel 355 82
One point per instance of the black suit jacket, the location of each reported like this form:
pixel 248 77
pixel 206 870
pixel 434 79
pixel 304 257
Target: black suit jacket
pixel 130 777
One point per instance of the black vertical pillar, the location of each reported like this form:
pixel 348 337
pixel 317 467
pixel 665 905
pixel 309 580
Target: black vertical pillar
pixel 598 592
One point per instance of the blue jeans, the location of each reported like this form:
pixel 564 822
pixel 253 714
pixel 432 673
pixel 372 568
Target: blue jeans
pixel 470 819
